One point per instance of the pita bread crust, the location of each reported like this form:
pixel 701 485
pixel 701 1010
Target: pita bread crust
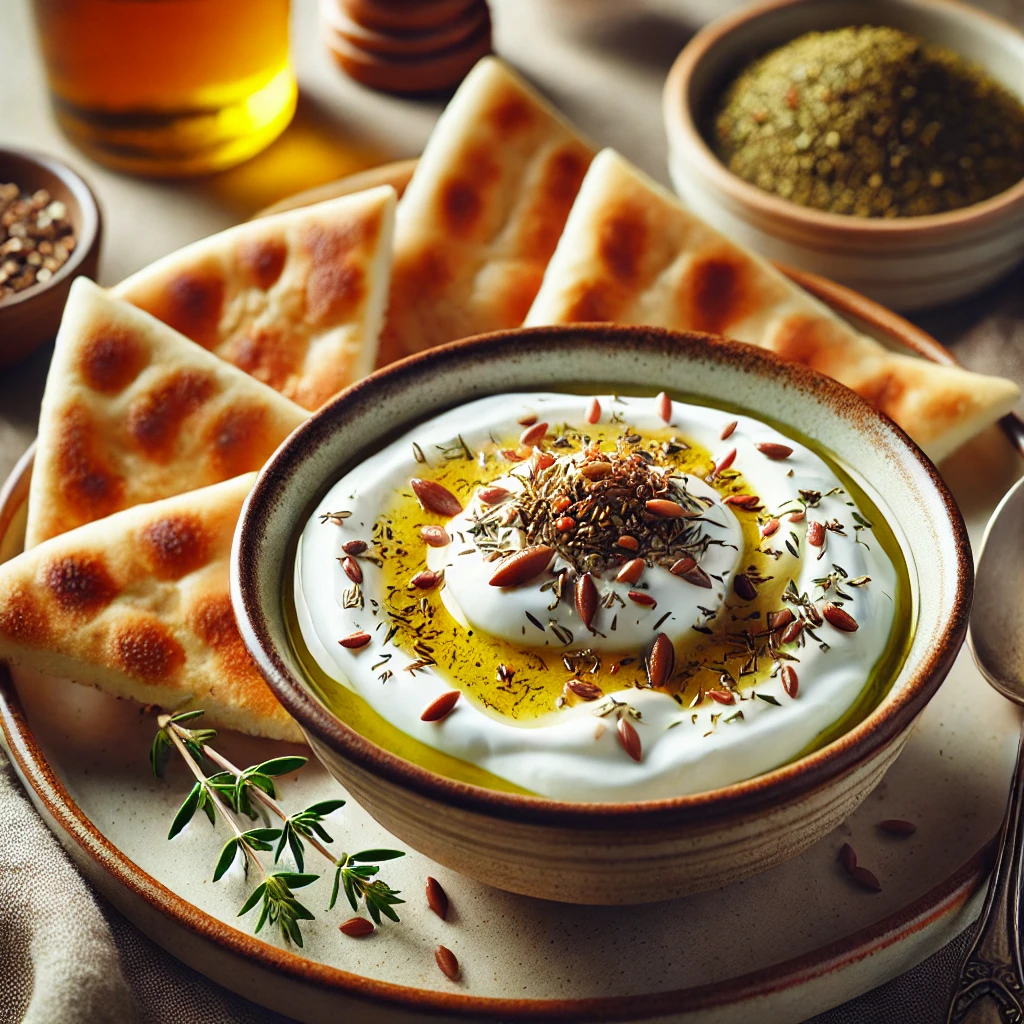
pixel 134 412
pixel 632 254
pixel 295 299
pixel 137 604
pixel 482 213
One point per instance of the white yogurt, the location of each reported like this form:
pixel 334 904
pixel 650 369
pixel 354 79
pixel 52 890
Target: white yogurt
pixel 571 753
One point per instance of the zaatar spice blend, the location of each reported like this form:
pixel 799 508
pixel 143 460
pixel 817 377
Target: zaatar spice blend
pixel 36 238
pixel 872 122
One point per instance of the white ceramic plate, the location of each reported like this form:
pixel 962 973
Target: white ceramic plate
pixel 785 944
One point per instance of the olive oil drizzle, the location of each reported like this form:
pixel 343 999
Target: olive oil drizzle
pixel 731 650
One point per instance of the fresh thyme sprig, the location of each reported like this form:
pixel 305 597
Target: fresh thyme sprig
pixel 354 874
pixel 251 791
pixel 280 906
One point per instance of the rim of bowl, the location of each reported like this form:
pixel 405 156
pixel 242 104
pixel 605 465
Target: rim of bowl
pixel 679 118
pixel 88 207
pixel 883 724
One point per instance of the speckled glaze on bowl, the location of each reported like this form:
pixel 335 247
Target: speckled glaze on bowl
pixel 905 263
pixel 578 852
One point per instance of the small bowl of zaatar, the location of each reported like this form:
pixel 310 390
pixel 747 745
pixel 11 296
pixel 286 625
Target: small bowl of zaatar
pixel 877 142
pixel 562 604
pixel 50 228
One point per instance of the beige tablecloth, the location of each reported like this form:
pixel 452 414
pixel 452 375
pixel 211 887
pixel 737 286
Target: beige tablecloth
pixel 65 955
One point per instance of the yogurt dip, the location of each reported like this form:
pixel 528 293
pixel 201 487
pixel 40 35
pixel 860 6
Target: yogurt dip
pixel 603 598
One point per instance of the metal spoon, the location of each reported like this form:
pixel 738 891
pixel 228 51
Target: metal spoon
pixel 990 989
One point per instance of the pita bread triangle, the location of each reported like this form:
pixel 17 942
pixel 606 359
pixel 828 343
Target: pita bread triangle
pixel 137 604
pixel 133 412
pixel 482 213
pixel 296 299
pixel 632 254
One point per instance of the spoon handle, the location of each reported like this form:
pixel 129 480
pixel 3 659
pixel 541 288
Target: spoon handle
pixel 991 984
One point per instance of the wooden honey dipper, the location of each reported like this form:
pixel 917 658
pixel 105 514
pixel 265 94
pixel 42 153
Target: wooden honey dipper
pixel 406 46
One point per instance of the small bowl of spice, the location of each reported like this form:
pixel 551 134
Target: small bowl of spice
pixel 50 231
pixel 877 142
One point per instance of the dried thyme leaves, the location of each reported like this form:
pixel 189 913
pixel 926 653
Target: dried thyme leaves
pixel 872 122
pixel 583 510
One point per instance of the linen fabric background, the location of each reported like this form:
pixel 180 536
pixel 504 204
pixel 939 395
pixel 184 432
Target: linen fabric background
pixel 65 955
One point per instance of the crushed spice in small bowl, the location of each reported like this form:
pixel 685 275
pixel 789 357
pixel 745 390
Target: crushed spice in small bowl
pixel 872 122
pixel 36 238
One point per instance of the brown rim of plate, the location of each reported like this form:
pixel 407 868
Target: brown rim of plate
pixel 783 784
pixel 988 214
pixel 946 898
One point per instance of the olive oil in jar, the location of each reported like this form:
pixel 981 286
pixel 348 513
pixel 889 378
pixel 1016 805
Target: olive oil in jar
pixel 168 87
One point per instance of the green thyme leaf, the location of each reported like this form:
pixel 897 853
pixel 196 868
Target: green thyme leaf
pixel 281 765
pixel 294 879
pixel 254 898
pixel 160 752
pixel 325 807
pixel 226 858
pixel 186 811
pixel 187 716
pixel 295 845
pixel 335 887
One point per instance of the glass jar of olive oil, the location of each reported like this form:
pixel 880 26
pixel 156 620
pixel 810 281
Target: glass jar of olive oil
pixel 168 87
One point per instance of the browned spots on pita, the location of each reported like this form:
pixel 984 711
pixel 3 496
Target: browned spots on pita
pixel 191 303
pixel 716 292
pixel 334 292
pixel 622 243
pixel 22 618
pixel 590 305
pixel 330 244
pixel 521 286
pixel 156 418
pixel 267 354
pixel 145 649
pixel 796 339
pixel 423 274
pixel 801 338
pixel 564 174
pixel 461 205
pixel 91 489
pixel 511 113
pixel 80 583
pixel 941 410
pixel 110 360
pixel 336 285
pixel 426 272
pixel 884 391
pixel 175 545
pixel 560 179
pixel 333 243
pixel 263 260
pixel 463 197
pixel 237 440
pixel 212 619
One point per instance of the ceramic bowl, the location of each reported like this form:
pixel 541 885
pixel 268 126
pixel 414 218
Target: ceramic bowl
pixel 905 263
pixel 30 318
pixel 580 852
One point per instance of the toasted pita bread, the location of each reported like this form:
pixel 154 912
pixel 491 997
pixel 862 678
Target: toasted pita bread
pixel 137 605
pixel 134 412
pixel 295 299
pixel 482 213
pixel 632 254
